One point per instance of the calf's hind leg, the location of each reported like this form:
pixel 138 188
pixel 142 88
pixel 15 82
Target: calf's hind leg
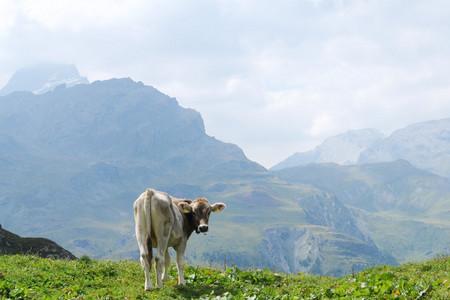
pixel 145 251
pixel 165 275
pixel 163 240
pixel 142 229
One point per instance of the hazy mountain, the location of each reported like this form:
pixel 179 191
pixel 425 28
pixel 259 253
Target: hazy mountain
pixel 117 120
pixel 342 149
pixel 43 78
pixel 11 243
pixel 74 159
pixel 426 145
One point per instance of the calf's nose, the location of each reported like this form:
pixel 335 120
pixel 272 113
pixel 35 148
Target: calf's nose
pixel 203 228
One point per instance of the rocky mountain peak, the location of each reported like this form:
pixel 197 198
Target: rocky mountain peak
pixel 42 78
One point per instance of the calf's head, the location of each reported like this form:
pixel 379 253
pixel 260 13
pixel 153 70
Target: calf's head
pixel 198 212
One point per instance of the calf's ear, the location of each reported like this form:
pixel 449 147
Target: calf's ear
pixel 185 207
pixel 218 207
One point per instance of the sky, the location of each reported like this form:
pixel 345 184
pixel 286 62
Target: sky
pixel 274 77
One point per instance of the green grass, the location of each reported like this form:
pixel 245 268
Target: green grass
pixel 28 277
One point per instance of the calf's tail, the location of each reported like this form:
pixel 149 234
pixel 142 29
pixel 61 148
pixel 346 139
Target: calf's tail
pixel 143 224
pixel 148 218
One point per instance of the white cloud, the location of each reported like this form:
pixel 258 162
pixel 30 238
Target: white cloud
pixel 8 14
pixel 323 124
pixel 81 14
pixel 274 78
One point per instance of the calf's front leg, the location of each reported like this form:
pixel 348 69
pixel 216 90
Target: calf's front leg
pixel 180 263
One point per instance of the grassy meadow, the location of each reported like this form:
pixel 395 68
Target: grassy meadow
pixel 28 277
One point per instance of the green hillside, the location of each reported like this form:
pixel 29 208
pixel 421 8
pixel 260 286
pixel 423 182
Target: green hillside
pixel 27 277
pixel 383 196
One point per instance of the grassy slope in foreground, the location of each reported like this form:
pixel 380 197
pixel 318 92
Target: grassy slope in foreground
pixel 27 277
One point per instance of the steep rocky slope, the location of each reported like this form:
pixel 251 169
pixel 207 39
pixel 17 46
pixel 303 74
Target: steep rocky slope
pixel 11 243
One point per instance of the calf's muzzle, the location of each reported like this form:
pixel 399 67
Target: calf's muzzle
pixel 203 228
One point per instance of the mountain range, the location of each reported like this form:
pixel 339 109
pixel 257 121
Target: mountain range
pixel 425 145
pixel 73 160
